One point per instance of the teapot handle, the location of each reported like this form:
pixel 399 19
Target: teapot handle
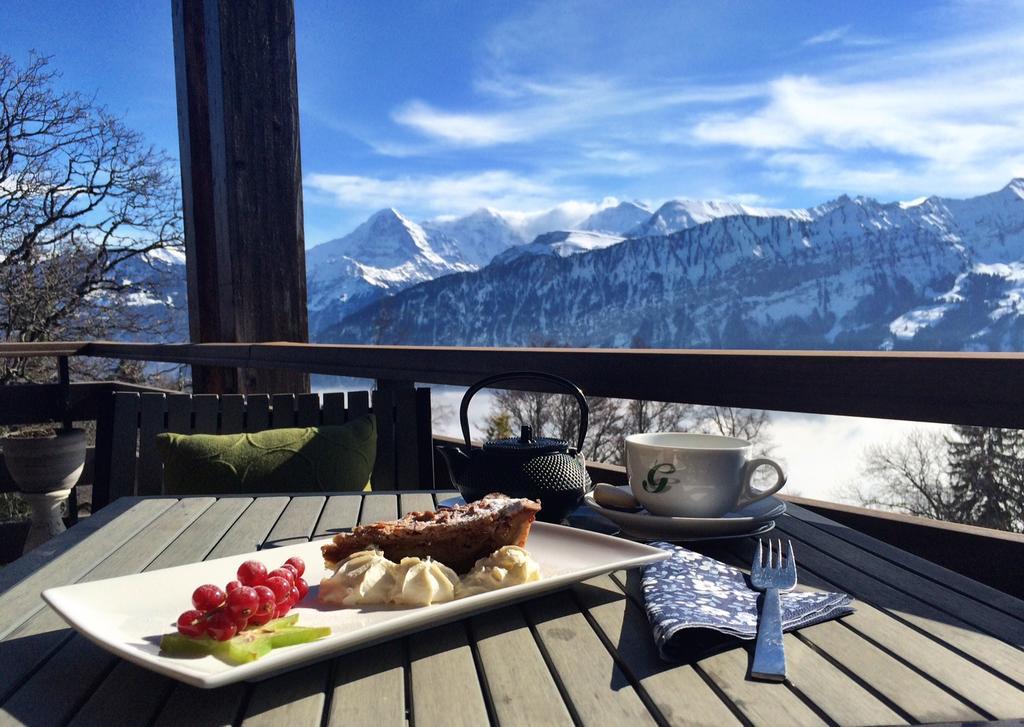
pixel 570 388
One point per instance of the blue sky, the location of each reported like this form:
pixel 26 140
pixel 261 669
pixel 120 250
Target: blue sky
pixel 442 107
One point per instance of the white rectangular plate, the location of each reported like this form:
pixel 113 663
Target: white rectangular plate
pixel 127 615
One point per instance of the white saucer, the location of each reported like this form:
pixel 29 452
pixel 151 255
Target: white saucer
pixel 749 520
pixel 759 530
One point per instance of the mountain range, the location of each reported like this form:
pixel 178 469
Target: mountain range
pixel 389 252
pixel 851 273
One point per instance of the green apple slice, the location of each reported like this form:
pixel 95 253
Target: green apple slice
pixel 248 645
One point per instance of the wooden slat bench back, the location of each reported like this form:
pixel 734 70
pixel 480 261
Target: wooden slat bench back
pixel 126 431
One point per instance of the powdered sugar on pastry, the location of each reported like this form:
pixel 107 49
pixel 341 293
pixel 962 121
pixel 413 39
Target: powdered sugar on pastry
pixel 456 536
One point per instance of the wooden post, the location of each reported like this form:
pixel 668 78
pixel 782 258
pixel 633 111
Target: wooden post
pixel 238 125
pixel 64 386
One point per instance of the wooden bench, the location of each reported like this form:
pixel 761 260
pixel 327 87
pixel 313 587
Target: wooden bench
pixel 127 462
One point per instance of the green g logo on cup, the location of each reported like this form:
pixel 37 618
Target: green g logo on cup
pixel 653 483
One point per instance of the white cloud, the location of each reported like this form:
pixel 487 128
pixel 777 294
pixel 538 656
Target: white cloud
pixel 752 199
pixel 464 129
pixel 455 193
pixel 911 116
pixel 828 36
pixel 562 216
pixel 842 36
pixel 537 109
pixel 533 206
pixel 943 113
pixel 836 172
pixel 956 126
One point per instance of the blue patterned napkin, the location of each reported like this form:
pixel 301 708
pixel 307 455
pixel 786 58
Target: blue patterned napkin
pixel 696 604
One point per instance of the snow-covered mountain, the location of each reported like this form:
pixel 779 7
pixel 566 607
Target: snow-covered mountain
pixel 852 273
pixel 382 256
pixel 616 220
pixel 561 243
pixel 682 214
pixel 934 273
pixel 157 303
pixel 479 236
pixel 389 252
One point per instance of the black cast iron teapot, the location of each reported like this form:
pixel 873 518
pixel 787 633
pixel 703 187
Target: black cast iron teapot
pixel 539 468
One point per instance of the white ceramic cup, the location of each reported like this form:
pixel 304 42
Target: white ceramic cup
pixel 695 475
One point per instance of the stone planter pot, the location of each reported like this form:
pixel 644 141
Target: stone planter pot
pixel 45 469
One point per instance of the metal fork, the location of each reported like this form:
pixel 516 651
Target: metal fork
pixel 771 574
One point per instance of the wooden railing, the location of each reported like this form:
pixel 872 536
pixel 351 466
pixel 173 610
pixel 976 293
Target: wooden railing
pixel 984 389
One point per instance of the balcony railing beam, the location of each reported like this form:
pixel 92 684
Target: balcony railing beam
pixel 984 389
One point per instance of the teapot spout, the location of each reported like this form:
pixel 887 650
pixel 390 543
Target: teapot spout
pixel 456 462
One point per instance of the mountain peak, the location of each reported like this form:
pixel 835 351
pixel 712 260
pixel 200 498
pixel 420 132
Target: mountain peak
pixel 616 220
pixel 845 201
pixel 854 273
pixel 682 214
pixel 388 214
pixel 478 236
pixel 385 240
pixel 559 243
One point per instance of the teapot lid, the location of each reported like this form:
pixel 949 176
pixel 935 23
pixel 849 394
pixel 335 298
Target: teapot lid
pixel 526 443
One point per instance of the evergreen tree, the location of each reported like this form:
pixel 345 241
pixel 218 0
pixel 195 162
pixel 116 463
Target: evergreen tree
pixel 987 476
pixel 499 426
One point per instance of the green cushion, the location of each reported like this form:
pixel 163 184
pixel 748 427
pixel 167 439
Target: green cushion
pixel 310 459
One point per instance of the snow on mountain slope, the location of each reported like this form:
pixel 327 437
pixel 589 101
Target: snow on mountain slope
pixel 383 255
pixel 565 216
pixel 991 222
pixel 682 214
pixel 561 243
pixel 386 239
pixel 389 252
pixel 159 302
pixel 616 220
pixel 853 273
pixel 478 236
pixel 935 273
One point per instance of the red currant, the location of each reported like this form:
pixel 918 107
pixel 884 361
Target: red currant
pixel 281 587
pixel 240 621
pixel 297 563
pixel 265 611
pixel 282 609
pixel 191 624
pixel 231 586
pixel 285 573
pixel 252 573
pixel 208 597
pixel 295 595
pixel 243 601
pixel 303 587
pixel 220 626
pixel 259 618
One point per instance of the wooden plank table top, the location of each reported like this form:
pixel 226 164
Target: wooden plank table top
pixel 924 645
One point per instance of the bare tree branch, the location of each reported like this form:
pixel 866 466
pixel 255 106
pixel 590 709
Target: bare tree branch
pixel 81 197
pixel 611 420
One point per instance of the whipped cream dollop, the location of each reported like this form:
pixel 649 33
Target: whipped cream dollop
pixel 423 582
pixel 366 577
pixel 509 565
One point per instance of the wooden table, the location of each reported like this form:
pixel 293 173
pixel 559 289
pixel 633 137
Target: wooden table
pixel 924 645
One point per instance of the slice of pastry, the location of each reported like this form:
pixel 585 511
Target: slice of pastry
pixel 456 536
